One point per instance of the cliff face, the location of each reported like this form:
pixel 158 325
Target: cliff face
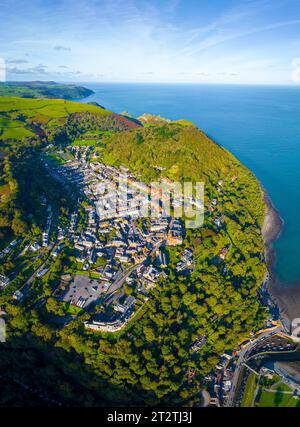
pixel 151 119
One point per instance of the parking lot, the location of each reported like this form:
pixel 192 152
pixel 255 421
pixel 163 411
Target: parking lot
pixel 84 291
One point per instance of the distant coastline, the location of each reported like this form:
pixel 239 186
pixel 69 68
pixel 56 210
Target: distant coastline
pixel 44 90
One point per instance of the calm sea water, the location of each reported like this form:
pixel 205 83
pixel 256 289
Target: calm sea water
pixel 259 124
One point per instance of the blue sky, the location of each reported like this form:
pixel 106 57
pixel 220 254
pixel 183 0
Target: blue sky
pixel 214 41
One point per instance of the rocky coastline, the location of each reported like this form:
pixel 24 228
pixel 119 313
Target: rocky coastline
pixel 287 299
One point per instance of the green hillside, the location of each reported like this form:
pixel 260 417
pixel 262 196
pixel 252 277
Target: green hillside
pixel 43 90
pixel 55 120
pixel 28 125
pixel 186 153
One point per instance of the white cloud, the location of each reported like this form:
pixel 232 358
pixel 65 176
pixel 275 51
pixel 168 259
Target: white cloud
pixel 143 40
pixel 2 70
pixel 38 69
pixel 223 35
pixel 62 48
pixel 17 61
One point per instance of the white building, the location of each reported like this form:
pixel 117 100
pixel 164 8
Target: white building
pixel 4 281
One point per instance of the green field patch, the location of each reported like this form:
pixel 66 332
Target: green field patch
pixel 18 104
pixel 82 272
pixel 249 390
pixel 56 110
pixel 6 122
pixel 278 398
pixel 94 275
pixel 13 129
pixel 91 138
pixel 55 159
pixel 52 108
pixel 84 142
pixel 76 107
pixel 184 122
pixel 71 309
pixel 15 133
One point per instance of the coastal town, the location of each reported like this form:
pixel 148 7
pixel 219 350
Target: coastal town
pixel 126 253
pixel 123 256
pixel 149 233
pixel 104 257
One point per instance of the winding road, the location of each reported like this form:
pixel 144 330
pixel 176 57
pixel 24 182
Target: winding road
pixel 242 358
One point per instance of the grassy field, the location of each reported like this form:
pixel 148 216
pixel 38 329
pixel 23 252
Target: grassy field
pixel 55 159
pixel 51 108
pixel 184 122
pixel 71 309
pixel 84 142
pixel 17 114
pixel 249 390
pixel 278 397
pixel 91 138
pixel 13 129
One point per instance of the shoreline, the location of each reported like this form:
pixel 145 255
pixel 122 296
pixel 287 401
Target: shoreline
pixel 286 299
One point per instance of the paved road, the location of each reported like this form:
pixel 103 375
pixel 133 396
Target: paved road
pixel 206 397
pixel 286 378
pixel 154 249
pixel 242 357
pixel 120 278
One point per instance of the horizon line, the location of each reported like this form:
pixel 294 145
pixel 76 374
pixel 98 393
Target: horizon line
pixel 291 84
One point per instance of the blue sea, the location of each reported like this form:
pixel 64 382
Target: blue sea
pixel 260 125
